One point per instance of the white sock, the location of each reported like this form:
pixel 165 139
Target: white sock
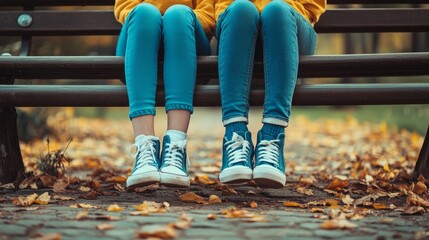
pixel 141 136
pixel 176 135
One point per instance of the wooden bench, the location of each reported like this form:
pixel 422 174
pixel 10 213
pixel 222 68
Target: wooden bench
pixel 24 19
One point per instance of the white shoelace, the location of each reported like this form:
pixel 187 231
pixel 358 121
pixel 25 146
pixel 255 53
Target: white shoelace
pixel 269 151
pixel 237 150
pixel 145 151
pixel 174 154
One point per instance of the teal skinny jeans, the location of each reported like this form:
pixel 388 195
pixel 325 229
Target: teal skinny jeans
pixel 285 35
pixel 183 38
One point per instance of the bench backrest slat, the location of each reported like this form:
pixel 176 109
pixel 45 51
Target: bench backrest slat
pixel 102 22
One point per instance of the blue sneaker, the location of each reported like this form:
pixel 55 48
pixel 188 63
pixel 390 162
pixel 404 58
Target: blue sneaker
pixel 237 159
pixel 269 168
pixel 146 168
pixel 175 164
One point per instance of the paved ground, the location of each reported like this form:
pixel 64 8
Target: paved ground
pixel 281 222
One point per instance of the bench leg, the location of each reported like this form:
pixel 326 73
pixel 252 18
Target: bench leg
pixel 11 164
pixel 422 164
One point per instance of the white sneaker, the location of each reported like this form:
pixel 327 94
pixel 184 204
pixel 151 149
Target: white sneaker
pixel 146 168
pixel 175 164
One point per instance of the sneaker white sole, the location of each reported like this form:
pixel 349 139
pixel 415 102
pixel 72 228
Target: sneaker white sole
pixel 174 180
pixel 269 177
pixel 143 179
pixel 236 175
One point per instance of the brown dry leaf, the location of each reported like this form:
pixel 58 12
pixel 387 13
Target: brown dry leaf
pixel 82 205
pixel 415 200
pixel 204 179
pixel 366 200
pixel 393 195
pixel 420 188
pixel 211 216
pixel 294 204
pixel 255 218
pixel 82 215
pixel 156 231
pixel 114 208
pixel 316 210
pixel 253 204
pixel 305 191
pixel 192 197
pixel 63 198
pixel 236 213
pixel 226 190
pixel 337 224
pixel 84 189
pixel 48 181
pixel 412 210
pixel 380 206
pixel 34 186
pixel 331 202
pixel 104 226
pixel 117 179
pixel 347 200
pixel 8 186
pixel 50 236
pixel 24 201
pixel 151 187
pixel 119 187
pixel 338 185
pixel 213 199
pixel 148 207
pixel 308 181
pixel 43 199
pixel 61 184
pixel 181 224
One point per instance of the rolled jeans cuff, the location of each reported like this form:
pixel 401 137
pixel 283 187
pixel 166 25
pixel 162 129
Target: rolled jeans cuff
pixel 275 121
pixel 179 106
pixel 235 119
pixel 141 112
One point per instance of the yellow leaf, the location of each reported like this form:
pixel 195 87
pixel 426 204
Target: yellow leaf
pixel 253 204
pixel 420 188
pixel 24 201
pixel 192 197
pixel 114 208
pixel 293 204
pixel 305 191
pixel 43 199
pixel 379 206
pixel 82 215
pixel 211 216
pixel 104 226
pixel 316 210
pixel 213 199
pixel 84 189
pixel 338 185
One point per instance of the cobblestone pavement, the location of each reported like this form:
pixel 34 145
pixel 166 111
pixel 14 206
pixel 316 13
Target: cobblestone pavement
pixel 281 222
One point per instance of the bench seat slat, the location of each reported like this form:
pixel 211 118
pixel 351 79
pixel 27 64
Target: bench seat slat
pixel 111 2
pixel 102 22
pixel 111 67
pixel 319 94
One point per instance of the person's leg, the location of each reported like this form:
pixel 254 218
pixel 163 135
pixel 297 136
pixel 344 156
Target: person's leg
pixel 285 35
pixel 236 30
pixel 184 39
pixel 138 43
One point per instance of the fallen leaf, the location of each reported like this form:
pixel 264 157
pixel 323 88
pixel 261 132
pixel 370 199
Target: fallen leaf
pixel 114 208
pixel 24 201
pixel 43 199
pixel 366 200
pixel 8 186
pixel 347 200
pixel 294 204
pixel 337 185
pixel 116 179
pixel 337 224
pixel 412 210
pixel 316 210
pixel 213 199
pixel 253 204
pixel 48 181
pixel 415 200
pixel 151 187
pixel 84 189
pixel 148 207
pixel 192 197
pixel 61 184
pixel 50 236
pixel 104 226
pixel 305 191
pixel 181 225
pixel 380 206
pixel 119 187
pixel 204 179
pixel 420 188
pixel 255 218
pixel 63 198
pixel 82 205
pixel 156 231
pixel 82 215
pixel 211 216
pixel 331 202
pixel 107 217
